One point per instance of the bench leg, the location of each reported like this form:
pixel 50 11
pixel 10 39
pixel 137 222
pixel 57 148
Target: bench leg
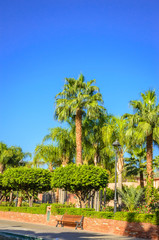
pixel 79 225
pixel 59 223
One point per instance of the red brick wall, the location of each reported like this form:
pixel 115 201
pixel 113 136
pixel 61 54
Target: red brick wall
pixel 142 230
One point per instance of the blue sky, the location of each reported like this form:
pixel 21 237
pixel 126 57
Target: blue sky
pixel 115 42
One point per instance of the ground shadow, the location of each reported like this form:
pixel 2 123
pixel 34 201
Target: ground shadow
pixel 48 232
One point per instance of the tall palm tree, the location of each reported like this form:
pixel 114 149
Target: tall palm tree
pixel 64 141
pixel 145 122
pixel 78 98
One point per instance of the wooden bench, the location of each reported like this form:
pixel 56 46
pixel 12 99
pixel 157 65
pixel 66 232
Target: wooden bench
pixel 71 220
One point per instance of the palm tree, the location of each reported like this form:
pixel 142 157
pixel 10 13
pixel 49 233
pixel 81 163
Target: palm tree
pixel 145 125
pixel 136 164
pixel 63 139
pixel 47 154
pixel 4 156
pixel 11 156
pixel 76 99
pixel 116 129
pixel 92 138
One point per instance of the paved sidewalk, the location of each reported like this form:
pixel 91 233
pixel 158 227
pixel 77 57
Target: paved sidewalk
pixel 53 233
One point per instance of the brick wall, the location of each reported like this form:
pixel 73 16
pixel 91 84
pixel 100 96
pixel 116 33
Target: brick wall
pixel 142 230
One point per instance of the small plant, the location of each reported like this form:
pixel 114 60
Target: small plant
pixel 131 197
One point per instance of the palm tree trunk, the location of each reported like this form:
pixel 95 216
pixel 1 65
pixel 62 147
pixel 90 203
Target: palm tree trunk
pixel 78 121
pixel 120 166
pixel 141 179
pixel 65 161
pixel 149 167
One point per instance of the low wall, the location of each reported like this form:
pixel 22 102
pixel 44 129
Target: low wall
pixel 108 226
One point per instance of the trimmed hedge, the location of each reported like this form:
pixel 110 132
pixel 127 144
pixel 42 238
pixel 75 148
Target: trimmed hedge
pixel 60 209
pixel 138 217
pixel 32 210
pixel 122 216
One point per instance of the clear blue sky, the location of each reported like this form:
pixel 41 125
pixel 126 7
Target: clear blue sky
pixel 43 41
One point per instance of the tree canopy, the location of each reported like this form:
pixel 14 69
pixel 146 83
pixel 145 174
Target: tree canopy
pixel 29 180
pixel 82 180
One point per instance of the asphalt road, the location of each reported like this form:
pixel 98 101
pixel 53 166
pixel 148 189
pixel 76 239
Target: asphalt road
pixel 53 233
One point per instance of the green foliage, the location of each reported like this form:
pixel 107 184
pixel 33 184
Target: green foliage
pixel 81 180
pixel 65 142
pixel 136 217
pixel 109 194
pixel 47 154
pixel 75 178
pixel 137 162
pixel 33 210
pixel 143 127
pixel 11 156
pixel 27 180
pixel 131 196
pixel 78 94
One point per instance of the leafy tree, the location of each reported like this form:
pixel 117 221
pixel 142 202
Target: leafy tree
pixel 3 190
pixel 131 196
pixel 144 124
pixel 78 98
pixel 81 180
pixel 28 180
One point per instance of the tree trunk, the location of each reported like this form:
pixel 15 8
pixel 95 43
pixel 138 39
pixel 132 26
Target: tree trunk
pixel 19 201
pixel 78 121
pixel 31 201
pixel 141 179
pixel 96 201
pixel 95 159
pixel 50 167
pixel 11 197
pixel 120 166
pixel 149 168
pixel 1 168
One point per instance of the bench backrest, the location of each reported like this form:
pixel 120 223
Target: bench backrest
pixel 73 218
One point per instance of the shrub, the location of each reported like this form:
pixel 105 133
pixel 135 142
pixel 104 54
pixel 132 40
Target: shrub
pixel 131 196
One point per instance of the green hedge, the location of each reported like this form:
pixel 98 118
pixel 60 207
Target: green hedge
pixel 138 217
pixel 122 216
pixel 60 209
pixel 33 210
